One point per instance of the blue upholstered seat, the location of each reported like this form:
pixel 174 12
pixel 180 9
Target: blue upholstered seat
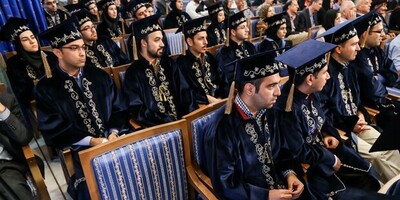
pixel 174 41
pixel 253 25
pixel 151 168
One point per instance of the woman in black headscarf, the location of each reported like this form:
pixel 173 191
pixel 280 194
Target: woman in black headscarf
pixel 111 25
pixel 216 33
pixel 276 33
pixel 26 67
pixel 176 17
pixel 331 19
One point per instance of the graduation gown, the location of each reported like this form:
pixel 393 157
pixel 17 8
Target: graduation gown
pixel 175 19
pixel 226 55
pixel 104 30
pixel 22 75
pixel 203 79
pixel 156 97
pixel 216 34
pixel 105 53
pixel 67 113
pixel 242 160
pixel 269 44
pixel 305 139
pixel 60 16
pixel 370 64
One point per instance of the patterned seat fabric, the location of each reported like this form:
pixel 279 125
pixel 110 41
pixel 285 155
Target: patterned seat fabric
pixel 197 127
pixel 151 168
pixel 174 42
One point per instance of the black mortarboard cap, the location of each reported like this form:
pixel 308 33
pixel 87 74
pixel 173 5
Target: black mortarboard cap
pixel 135 5
pixel 340 33
pixel 191 27
pixel 235 20
pixel 87 3
pixel 62 34
pixel 82 17
pixel 275 20
pixel 103 4
pixel 13 28
pixel 377 2
pixel 215 8
pixel 145 26
pixel 74 8
pixel 366 21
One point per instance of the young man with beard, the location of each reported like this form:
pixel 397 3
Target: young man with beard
pixel 341 101
pixel 102 51
pixel 245 155
pixel 78 107
pixel 335 169
pixel 199 67
pixel 155 89
pixel 237 46
pixel 52 14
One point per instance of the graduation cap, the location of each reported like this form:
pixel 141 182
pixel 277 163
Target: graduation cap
pixel 275 20
pixel 143 27
pixel 390 137
pixel 74 8
pixel 82 16
pixel 232 22
pixel 103 5
pixel 87 3
pixel 62 34
pixel 13 28
pixel 135 5
pixel 191 28
pixel 340 33
pixel 251 68
pixel 377 2
pixel 314 55
pixel 364 23
pixel 215 8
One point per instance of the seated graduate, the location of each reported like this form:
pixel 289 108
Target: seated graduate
pixel 216 30
pixel 335 168
pixel 245 155
pixel 52 13
pixel 137 9
pixel 276 33
pixel 176 17
pixel 375 71
pixel 236 47
pixel 341 101
pixel 13 135
pixel 26 67
pixel 198 66
pixel 93 10
pixel 78 107
pixel 102 51
pixel 155 89
pixel 110 25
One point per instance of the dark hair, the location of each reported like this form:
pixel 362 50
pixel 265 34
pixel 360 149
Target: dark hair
pixel 255 82
pixel 314 1
pixel 329 19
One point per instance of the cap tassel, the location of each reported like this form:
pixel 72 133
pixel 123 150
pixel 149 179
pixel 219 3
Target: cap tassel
pixel 228 108
pixel 46 65
pixel 2 61
pixel 183 44
pixel 227 38
pixel 122 25
pixel 289 101
pixel 98 17
pixel 362 43
pixel 134 49
pixel 167 7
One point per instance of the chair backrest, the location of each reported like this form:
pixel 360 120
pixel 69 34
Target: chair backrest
pixel 116 71
pixel 108 70
pixel 10 54
pixel 174 41
pixel 312 31
pixel 213 50
pixel 120 43
pixel 147 164
pixel 252 23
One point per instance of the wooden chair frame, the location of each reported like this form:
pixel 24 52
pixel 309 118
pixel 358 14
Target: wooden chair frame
pixel 86 156
pixel 115 72
pixel 121 42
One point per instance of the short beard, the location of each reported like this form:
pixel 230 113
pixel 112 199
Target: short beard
pixel 153 54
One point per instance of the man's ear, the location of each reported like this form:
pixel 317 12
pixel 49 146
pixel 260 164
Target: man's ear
pixel 189 42
pixel 249 89
pixel 57 52
pixel 338 49
pixel 309 78
pixel 143 43
pixel 232 32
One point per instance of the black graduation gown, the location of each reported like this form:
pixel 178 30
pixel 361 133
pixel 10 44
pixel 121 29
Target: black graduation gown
pixel 226 55
pixel 175 19
pixel 22 76
pixel 305 139
pixel 104 30
pixel 156 99
pixel 203 79
pixel 235 159
pixel 59 17
pixel 338 110
pixel 216 34
pixel 368 64
pixel 104 52
pixel 67 114
pixel 269 44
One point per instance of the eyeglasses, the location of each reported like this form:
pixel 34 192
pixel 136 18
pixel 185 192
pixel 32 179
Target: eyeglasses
pixel 93 27
pixel 377 31
pixel 75 48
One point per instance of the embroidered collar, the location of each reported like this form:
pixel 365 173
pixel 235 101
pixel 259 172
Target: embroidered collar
pixel 246 111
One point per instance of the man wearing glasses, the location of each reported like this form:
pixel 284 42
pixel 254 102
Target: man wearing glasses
pixel 78 107
pixel 102 51
pixel 53 15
